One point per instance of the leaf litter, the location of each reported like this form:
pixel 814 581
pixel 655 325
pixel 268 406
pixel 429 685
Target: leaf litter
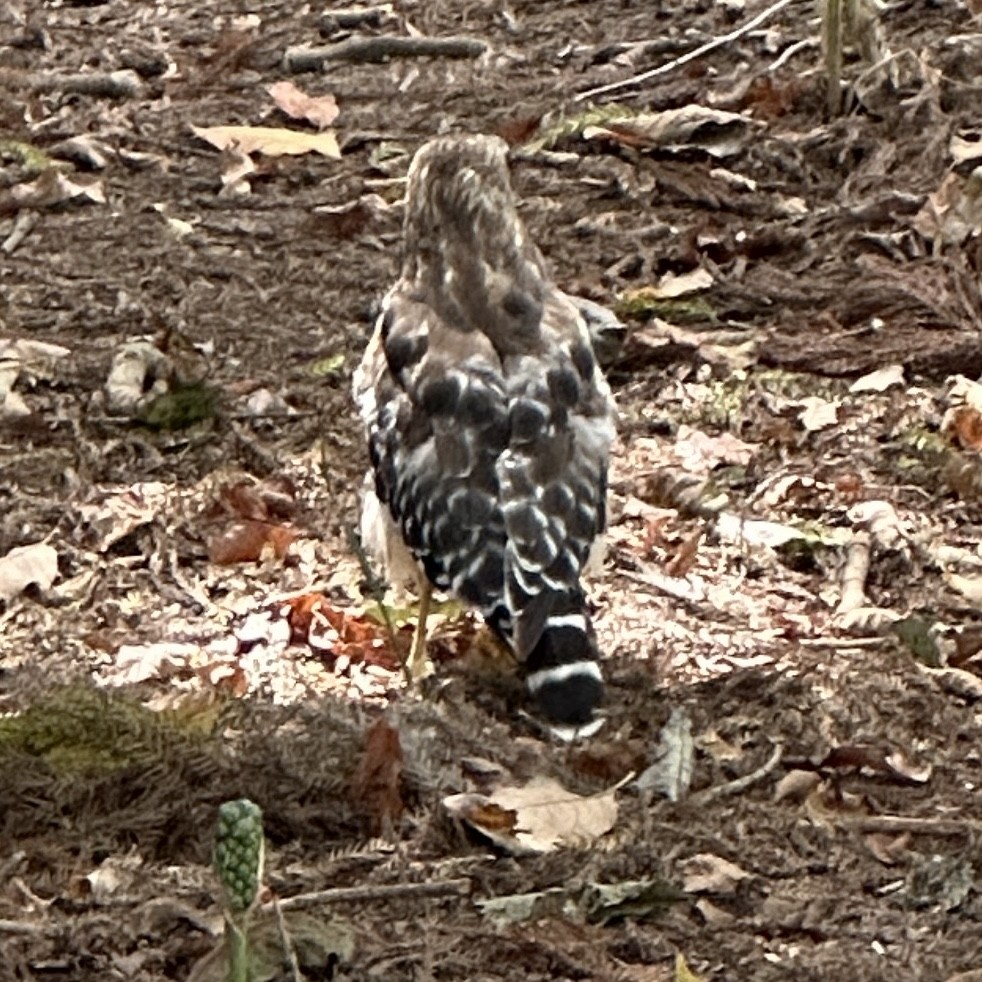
pixel 792 561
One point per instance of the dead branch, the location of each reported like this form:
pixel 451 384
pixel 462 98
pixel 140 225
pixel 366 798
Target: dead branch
pixel 22 927
pixel 379 49
pixel 286 942
pixel 636 50
pixel 25 221
pixel 842 644
pixel 832 48
pixel 789 52
pixel 854 573
pixel 741 783
pixel 349 18
pixel 391 891
pixel 124 84
pixel 703 49
pixel 902 823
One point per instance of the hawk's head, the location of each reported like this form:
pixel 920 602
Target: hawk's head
pixel 466 248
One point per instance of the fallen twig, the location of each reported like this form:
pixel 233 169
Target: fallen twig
pixel 902 823
pixel 787 54
pixel 348 19
pixel 393 891
pixel 286 941
pixel 741 783
pixel 23 223
pixel 832 45
pixel 379 49
pixel 22 927
pixel 854 573
pixel 124 84
pixel 688 56
pixel 845 644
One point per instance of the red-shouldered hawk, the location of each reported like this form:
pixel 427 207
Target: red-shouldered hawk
pixel 489 421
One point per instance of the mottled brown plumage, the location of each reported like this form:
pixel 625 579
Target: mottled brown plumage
pixel 489 421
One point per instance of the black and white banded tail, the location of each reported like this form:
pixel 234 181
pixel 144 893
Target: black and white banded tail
pixel 562 671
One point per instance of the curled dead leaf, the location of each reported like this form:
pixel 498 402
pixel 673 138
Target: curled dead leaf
pixel 376 785
pixel 708 873
pixel 249 542
pixel 272 141
pixel 540 816
pixel 35 564
pixel 319 110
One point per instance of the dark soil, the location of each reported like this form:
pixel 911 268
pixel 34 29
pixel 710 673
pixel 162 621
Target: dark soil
pixel 857 829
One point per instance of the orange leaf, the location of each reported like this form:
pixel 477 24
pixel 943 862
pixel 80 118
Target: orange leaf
pixel 376 782
pixel 245 542
pixel 965 425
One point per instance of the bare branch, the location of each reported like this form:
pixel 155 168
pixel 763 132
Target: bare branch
pixel 379 49
pixel 390 891
pixel 124 84
pixel 703 49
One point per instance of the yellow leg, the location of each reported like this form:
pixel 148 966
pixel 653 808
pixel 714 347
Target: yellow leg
pixel 419 666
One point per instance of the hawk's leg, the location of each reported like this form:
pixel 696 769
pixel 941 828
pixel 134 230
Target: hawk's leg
pixel 419 665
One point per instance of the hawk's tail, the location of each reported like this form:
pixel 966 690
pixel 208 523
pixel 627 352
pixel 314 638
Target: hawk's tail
pixel 563 673
pixel 562 670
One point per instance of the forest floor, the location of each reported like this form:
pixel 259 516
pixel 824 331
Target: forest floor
pixel 791 604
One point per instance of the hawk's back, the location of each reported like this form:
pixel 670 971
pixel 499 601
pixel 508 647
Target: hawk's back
pixel 489 421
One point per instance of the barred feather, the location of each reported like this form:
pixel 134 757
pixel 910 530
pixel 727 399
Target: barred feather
pixel 489 421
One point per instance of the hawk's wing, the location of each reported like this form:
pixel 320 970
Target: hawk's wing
pixel 489 421
pixel 494 468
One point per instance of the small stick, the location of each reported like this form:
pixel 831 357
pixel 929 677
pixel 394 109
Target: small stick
pixel 23 223
pixel 392 891
pixel 124 84
pixel 379 49
pixel 22 927
pixel 903 823
pixel 349 18
pixel 741 783
pixel 854 573
pixel 703 49
pixel 836 644
pixel 832 43
pixel 287 942
pixel 786 55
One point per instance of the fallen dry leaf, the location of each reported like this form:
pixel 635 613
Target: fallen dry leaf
pixel 880 380
pixel 685 555
pixel 269 140
pixel 671 773
pixel 116 512
pixel 754 532
pixel 314 620
pixel 236 168
pixel 671 286
pixel 708 873
pixel 158 660
pixel 970 587
pixel 248 542
pixel 320 110
pixel 36 564
pixel 889 849
pixel 376 784
pixel 699 452
pixel 139 371
pixel 714 131
pixel 53 187
pixel 963 424
pixel 540 816
pixel 796 785
pixel 818 414
pixel 878 760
